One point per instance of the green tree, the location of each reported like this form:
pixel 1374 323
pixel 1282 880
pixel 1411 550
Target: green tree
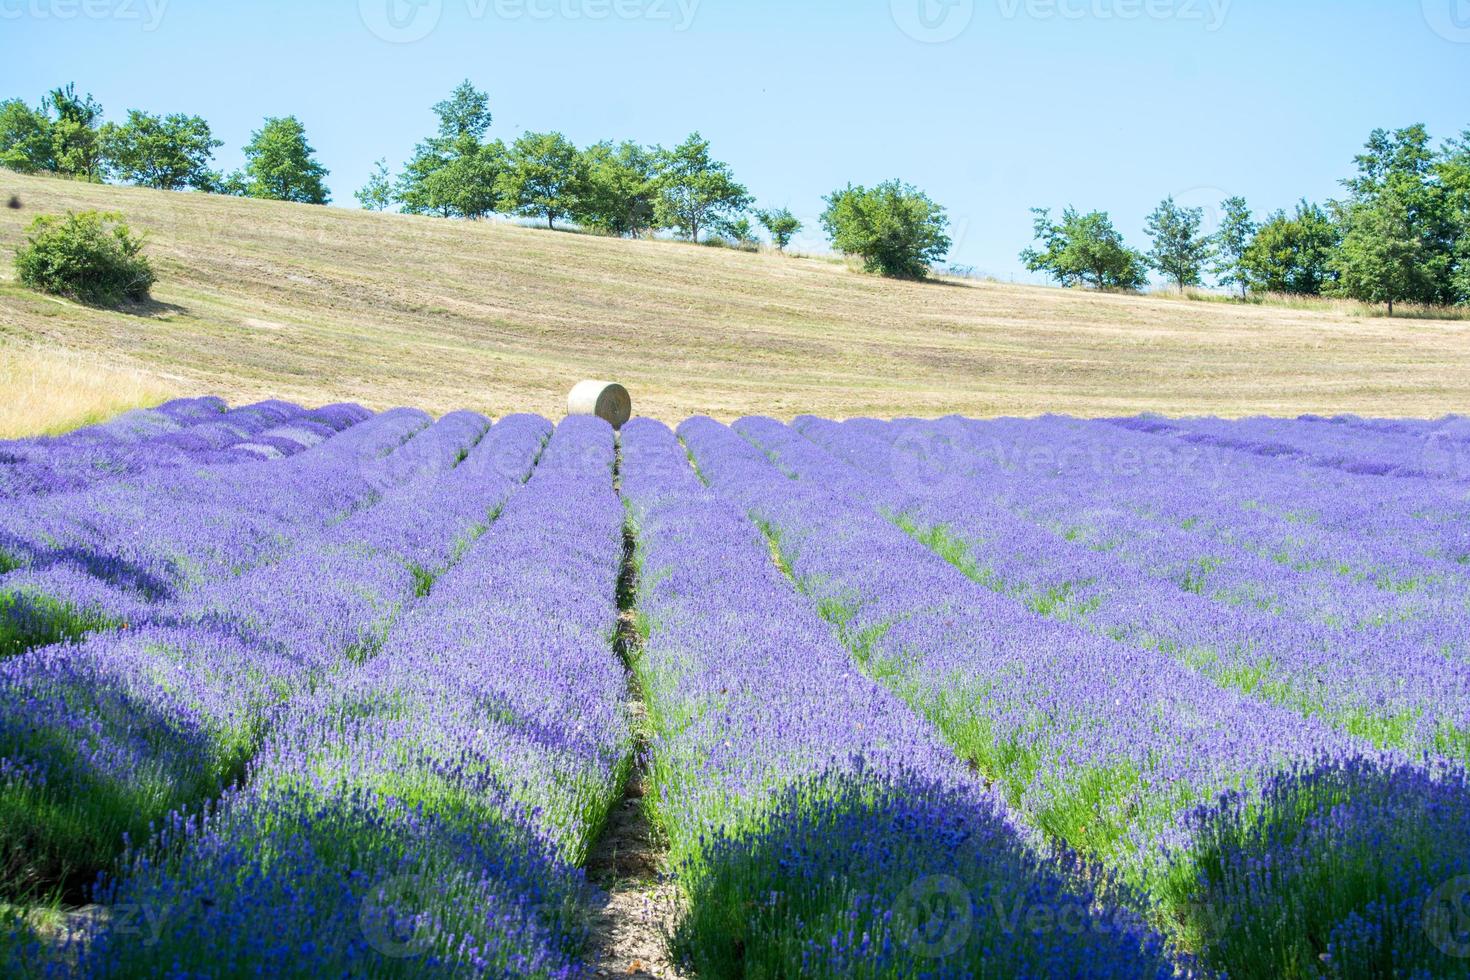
pixel 1404 166
pixel 1381 254
pixel 377 193
pixel 1292 254
pixel 619 189
pixel 233 184
pixel 542 175
pixel 1180 249
pixel 739 232
pixel 75 144
pixel 1453 169
pixel 696 191
pixel 168 153
pixel 1237 228
pixel 781 225
pixel 465 114
pixel 1084 249
pixel 896 229
pixel 1461 279
pixel 25 138
pixel 446 186
pixel 281 166
pixel 455 172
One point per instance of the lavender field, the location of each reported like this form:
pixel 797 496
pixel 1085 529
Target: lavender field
pixel 294 692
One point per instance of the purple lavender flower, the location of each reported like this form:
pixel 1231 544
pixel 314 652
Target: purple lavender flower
pixel 423 811
pixel 816 823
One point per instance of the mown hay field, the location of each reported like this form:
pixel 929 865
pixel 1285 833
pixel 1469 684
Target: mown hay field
pixel 259 299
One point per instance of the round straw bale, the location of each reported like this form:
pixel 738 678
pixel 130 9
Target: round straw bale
pixel 605 399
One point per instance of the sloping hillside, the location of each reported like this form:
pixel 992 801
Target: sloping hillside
pixel 315 304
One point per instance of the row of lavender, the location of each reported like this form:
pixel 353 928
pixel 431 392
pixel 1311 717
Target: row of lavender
pixel 1438 450
pixel 1382 555
pixel 424 813
pixel 416 796
pixel 819 828
pixel 100 556
pixel 101 739
pixel 430 729
pixel 1154 584
pixel 1121 750
pixel 179 433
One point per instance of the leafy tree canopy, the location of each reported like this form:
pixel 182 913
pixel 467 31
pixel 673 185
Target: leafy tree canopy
pixel 619 191
pixel 455 173
pixel 377 193
pixel 1380 259
pixel 1291 254
pixel 1237 229
pixel 894 227
pixel 781 225
pixel 25 138
pixel 281 164
pixel 168 152
pixel 541 177
pixel 1084 249
pixel 695 190
pixel 1180 250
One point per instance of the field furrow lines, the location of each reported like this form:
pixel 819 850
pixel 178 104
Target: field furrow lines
pixel 106 737
pixel 1415 700
pixel 1118 751
pixel 806 806
pixel 425 810
pixel 324 694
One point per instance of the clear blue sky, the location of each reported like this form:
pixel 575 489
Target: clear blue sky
pixel 992 106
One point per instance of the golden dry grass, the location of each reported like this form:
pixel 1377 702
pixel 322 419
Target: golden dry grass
pixel 316 304
pixel 47 391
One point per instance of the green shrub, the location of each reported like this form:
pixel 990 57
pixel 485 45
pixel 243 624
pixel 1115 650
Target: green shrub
pixel 895 228
pixel 91 257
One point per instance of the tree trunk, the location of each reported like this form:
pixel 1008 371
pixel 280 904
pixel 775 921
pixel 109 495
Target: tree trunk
pixel 1390 307
pixel 551 220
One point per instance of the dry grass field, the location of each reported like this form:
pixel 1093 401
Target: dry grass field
pixel 262 299
pixel 44 391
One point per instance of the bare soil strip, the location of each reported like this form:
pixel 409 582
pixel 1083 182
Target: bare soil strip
pixel 638 899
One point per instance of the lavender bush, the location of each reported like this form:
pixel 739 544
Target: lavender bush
pixel 295 692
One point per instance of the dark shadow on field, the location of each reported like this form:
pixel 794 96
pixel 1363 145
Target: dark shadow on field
pixel 90 760
pixel 149 309
pixel 1343 869
pixel 343 880
pixel 861 876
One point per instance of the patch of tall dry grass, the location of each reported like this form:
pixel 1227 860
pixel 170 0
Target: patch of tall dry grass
pixel 45 391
